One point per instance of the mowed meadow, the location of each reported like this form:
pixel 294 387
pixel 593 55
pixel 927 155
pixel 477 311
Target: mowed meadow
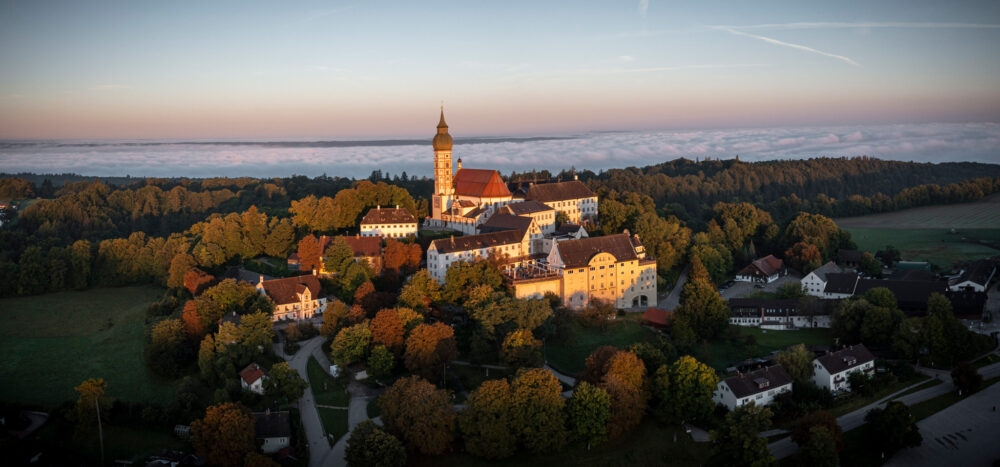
pixel 52 342
pixel 926 234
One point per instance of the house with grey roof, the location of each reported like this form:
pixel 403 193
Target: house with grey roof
pixel 815 281
pixel 760 387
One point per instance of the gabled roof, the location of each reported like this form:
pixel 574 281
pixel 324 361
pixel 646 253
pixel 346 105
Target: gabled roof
pixel 568 229
pixel 841 282
pixel 271 425
pixel 657 316
pixel 824 270
pixel 499 222
pixel 475 242
pixel 480 183
pixel 978 272
pixel 526 207
pixel 252 373
pixel 395 215
pixel 766 266
pixel 561 191
pixel 367 247
pixel 283 291
pixel 577 253
pixel 910 295
pixel 764 379
pixel 843 359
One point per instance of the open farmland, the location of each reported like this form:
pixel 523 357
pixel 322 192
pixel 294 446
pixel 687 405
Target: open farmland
pixel 53 342
pixel 925 234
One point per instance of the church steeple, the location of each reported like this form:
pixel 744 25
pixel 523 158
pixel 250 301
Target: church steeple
pixel 442 140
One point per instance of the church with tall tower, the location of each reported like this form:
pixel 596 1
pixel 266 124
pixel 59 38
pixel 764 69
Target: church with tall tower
pixel 463 200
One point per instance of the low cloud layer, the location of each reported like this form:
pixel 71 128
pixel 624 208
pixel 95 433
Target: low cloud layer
pixel 595 151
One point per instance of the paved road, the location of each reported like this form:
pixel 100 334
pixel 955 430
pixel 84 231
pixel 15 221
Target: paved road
pixel 311 424
pixel 745 289
pixel 786 447
pixel 672 300
pixel 963 434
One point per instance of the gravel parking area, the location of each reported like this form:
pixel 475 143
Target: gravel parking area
pixel 745 289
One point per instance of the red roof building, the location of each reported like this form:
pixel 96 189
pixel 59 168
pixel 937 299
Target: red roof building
pixel 764 270
pixel 657 317
pixel 479 183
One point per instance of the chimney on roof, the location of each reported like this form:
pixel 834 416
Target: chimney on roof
pixel 626 232
pixel 459 163
pixel 576 177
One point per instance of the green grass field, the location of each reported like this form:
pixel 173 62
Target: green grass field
pixel 924 234
pixel 334 422
pixel 569 356
pixel 724 354
pixel 326 389
pixel 53 342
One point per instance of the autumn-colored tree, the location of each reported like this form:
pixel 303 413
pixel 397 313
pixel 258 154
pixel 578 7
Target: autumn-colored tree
pixel 193 326
pixel 429 347
pixel 179 266
pixel 801 428
pixel 463 276
pixel 206 358
pixel 420 291
pixel 409 318
pixel 280 239
pixel 351 344
pixel 538 418
pixel 363 296
pixel 804 257
pixel 624 382
pixel 91 396
pixel 597 314
pixel 256 459
pixel 492 310
pixel 381 361
pixel 486 423
pixel 230 296
pixel 370 446
pixel 388 330
pixel 356 314
pixel 596 363
pixel 521 349
pixel 399 257
pixel 419 414
pixel 588 411
pixel 685 389
pixel 309 254
pixel 196 280
pixel 168 350
pixel 225 436
pixel 334 318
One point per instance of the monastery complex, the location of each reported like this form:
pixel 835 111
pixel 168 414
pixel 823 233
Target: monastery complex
pixel 520 229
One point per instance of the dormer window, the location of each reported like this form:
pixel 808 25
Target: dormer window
pixel 762 383
pixel 850 360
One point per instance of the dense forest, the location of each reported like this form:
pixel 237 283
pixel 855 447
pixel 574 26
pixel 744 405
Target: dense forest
pixel 724 212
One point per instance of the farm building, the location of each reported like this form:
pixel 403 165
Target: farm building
pixel 763 270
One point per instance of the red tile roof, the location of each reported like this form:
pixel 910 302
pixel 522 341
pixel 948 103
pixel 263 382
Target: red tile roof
pixel 475 242
pixel 287 290
pixel 577 253
pixel 252 373
pixel 526 207
pixel 388 216
pixel 767 266
pixel 480 183
pixel 562 191
pixel 368 247
pixel 657 317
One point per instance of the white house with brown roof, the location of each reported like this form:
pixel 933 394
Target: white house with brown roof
pixel 831 370
pixel 760 387
pixel 762 270
pixel 389 223
pixel 273 429
pixel 252 378
pixel 573 198
pixel 815 282
pixel 295 298
pixel 507 245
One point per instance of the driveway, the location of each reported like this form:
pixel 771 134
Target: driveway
pixel 745 289
pixel 319 448
pixel 672 300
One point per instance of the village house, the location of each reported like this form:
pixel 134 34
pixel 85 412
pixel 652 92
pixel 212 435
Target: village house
pixel 779 313
pixel 831 371
pixel 760 387
pixel 252 378
pixel 613 269
pixel 273 430
pixel 388 223
pixel 504 245
pixel 840 285
pixel 657 318
pixel 763 270
pixel 295 298
pixel 815 282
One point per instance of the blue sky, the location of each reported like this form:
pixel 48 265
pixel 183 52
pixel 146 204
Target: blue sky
pixel 380 69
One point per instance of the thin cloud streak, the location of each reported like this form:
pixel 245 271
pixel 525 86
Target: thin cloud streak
pixel 788 44
pixel 851 25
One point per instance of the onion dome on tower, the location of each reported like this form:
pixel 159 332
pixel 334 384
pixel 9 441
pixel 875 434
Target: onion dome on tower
pixel 442 140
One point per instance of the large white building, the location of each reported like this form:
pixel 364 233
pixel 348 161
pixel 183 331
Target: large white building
pixel 571 198
pixel 295 298
pixel 507 245
pixel 388 223
pixel 544 215
pixel 831 371
pixel 779 314
pixel 815 282
pixel 975 276
pixel 763 270
pixel 760 387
